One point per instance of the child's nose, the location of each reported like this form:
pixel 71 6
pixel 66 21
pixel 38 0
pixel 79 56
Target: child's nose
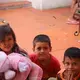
pixel 42 50
pixel 6 43
pixel 70 66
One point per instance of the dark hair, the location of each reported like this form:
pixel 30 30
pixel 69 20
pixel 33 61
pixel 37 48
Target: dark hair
pixel 41 38
pixel 5 30
pixel 72 52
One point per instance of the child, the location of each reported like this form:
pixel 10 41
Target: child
pixel 43 58
pixel 75 12
pixel 8 45
pixel 71 63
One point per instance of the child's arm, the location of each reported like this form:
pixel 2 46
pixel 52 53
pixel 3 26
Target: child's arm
pixel 23 69
pixel 20 63
pixel 36 72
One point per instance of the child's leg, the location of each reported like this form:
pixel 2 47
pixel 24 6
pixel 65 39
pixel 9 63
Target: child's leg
pixel 36 73
pixel 73 4
pixel 71 20
pixel 74 10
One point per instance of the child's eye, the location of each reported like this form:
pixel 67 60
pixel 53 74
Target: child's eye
pixel 39 48
pixel 45 48
pixel 9 39
pixel 66 63
pixel 2 41
pixel 74 64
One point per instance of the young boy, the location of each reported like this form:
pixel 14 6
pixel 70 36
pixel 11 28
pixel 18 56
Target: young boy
pixel 43 58
pixel 71 63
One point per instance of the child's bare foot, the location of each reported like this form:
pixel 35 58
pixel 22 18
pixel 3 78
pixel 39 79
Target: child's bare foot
pixel 72 21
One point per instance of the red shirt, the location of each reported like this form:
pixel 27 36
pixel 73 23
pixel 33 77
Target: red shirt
pixel 50 70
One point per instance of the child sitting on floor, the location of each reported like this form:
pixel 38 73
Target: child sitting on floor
pixel 42 56
pixel 71 63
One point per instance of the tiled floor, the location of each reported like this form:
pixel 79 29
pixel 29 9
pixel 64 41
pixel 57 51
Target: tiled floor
pixel 28 22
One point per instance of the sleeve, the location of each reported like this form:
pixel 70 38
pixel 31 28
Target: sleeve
pixel 57 65
pixel 36 72
pixel 24 67
pixel 32 57
pixel 19 62
pixel 58 68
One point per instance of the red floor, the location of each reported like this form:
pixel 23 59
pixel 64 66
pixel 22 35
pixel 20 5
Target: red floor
pixel 28 22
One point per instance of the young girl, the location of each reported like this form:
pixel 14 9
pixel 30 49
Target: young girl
pixel 8 45
pixel 71 63
pixel 75 12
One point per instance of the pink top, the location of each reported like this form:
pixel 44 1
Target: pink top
pixel 14 59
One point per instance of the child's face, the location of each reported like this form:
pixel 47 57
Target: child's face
pixel 7 44
pixel 72 65
pixel 42 49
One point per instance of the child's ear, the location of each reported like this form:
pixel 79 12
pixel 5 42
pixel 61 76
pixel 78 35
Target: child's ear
pixel 33 49
pixel 50 49
pixel 63 62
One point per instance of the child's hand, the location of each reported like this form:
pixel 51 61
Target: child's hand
pixel 69 75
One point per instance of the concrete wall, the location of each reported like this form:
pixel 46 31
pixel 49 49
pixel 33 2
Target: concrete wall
pixel 48 4
pixel 44 4
pixel 6 1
